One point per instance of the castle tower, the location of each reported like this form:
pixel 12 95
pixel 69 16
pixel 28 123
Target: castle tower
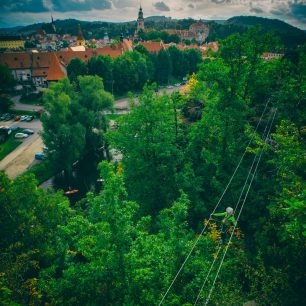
pixel 80 38
pixel 140 21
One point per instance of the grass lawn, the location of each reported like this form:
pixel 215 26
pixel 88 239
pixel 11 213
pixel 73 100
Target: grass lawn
pixel 7 147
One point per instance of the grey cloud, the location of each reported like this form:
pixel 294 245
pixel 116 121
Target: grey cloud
pixel 293 12
pixel 33 6
pixel 80 5
pixel 219 1
pixel 256 10
pixel 161 6
pixel 39 6
pixel 298 10
pixel 190 5
pixel 125 3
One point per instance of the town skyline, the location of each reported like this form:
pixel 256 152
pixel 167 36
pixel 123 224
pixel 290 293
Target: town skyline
pixel 35 11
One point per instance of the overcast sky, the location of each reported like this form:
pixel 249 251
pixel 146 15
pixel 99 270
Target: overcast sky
pixel 22 12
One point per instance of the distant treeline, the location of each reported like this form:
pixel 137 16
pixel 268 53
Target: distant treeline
pixel 131 71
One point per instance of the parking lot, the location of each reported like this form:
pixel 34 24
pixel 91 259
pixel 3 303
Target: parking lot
pixel 22 157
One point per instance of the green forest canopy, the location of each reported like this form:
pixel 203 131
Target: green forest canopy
pixel 124 245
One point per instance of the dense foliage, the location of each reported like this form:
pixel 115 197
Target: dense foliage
pixel 74 122
pixel 131 71
pixel 124 245
pixel 159 36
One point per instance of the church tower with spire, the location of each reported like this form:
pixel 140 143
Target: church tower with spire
pixel 53 25
pixel 140 20
pixel 80 38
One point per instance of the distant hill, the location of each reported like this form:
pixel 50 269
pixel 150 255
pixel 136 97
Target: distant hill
pixel 158 18
pixel 290 36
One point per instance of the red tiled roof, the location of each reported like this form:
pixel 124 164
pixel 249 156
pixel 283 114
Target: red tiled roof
pixel 56 72
pixel 40 72
pixel 113 52
pixel 127 45
pixel 41 60
pixel 152 46
pixel 179 46
pixel 16 60
pixel 66 56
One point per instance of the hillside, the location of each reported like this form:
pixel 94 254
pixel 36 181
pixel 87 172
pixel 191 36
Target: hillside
pixel 290 36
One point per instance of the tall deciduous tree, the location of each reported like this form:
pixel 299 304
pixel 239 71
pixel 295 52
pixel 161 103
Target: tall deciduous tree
pixel 29 230
pixel 74 123
pixel 7 81
pixel 103 67
pixel 147 139
pixel 63 134
pixel 75 68
pixel 163 67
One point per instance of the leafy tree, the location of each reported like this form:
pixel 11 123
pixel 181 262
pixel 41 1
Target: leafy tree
pixel 163 67
pixel 96 244
pixel 103 67
pixel 63 134
pixel 5 103
pixel 131 71
pixel 75 68
pixel 7 81
pixel 146 137
pixel 28 235
pixel 93 100
pixel 289 92
pixel 178 62
pixel 74 123
pixel 192 58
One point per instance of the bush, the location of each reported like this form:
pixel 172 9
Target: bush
pixel 42 171
pixel 5 103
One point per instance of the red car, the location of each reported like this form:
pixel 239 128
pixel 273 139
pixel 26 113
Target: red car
pixel 17 118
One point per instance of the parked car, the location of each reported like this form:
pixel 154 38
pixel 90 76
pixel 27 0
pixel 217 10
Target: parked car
pixel 6 130
pixel 29 118
pixel 15 128
pixel 28 131
pixel 21 135
pixel 17 118
pixel 23 118
pixel 40 156
pixel 7 117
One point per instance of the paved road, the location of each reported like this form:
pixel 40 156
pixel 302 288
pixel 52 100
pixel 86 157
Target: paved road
pixel 121 105
pixel 23 156
pixel 21 106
